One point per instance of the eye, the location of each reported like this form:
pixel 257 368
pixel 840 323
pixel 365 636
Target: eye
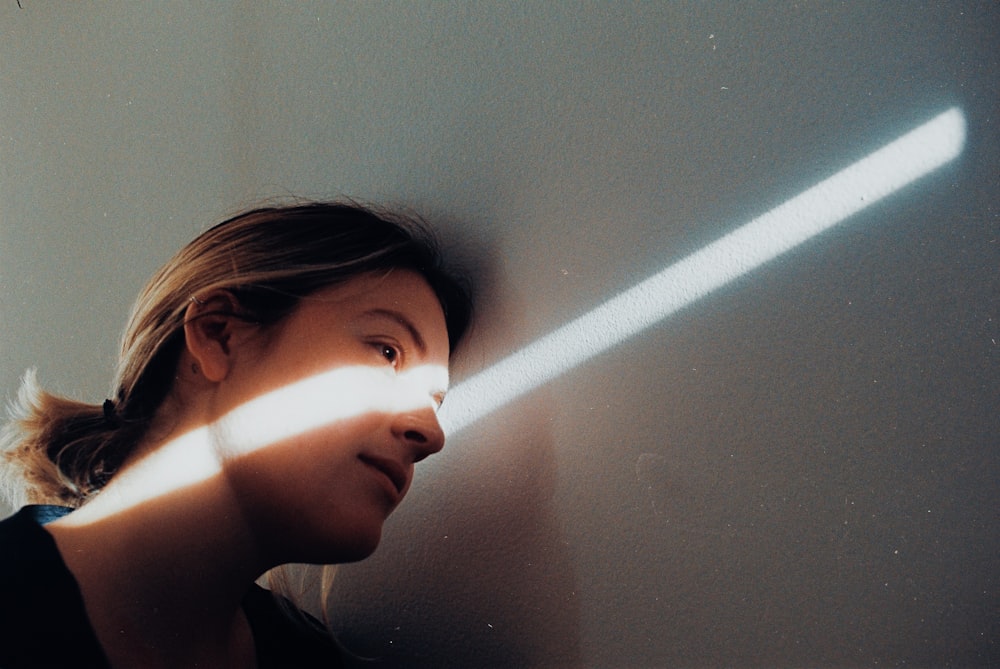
pixel 390 353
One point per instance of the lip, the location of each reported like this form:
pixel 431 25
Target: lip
pixel 395 472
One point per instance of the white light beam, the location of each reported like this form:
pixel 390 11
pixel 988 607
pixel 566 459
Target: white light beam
pixel 813 211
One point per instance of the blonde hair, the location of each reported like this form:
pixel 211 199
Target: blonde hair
pixel 58 450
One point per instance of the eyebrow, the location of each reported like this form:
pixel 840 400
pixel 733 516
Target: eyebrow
pixel 405 322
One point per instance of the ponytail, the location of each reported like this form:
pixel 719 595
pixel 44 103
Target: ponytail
pixel 56 450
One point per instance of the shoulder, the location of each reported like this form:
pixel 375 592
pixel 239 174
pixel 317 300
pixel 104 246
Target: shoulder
pixel 284 641
pixel 43 622
pixel 26 549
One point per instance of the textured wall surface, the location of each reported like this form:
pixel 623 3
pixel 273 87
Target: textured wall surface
pixel 800 468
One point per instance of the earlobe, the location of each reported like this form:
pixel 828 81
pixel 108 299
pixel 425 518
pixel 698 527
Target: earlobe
pixel 211 322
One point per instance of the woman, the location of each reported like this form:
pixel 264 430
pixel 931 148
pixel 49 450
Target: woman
pixel 278 380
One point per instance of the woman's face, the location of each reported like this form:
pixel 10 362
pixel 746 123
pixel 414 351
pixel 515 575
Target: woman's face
pixel 328 413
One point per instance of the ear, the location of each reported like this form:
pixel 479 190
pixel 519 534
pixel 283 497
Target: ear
pixel 212 331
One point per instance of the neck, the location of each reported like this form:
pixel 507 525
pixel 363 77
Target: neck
pixel 163 570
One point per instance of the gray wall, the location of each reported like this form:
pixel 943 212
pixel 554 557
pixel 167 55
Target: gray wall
pixel 799 469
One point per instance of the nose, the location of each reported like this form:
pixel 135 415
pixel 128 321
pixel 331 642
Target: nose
pixel 420 431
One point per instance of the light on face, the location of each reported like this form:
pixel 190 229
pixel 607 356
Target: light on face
pixel 325 399
pixel 781 229
pixel 332 397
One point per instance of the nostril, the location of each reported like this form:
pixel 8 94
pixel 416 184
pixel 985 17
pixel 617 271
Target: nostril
pixel 413 435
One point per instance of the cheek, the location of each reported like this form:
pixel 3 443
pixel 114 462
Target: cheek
pixel 309 498
pixel 334 399
pixel 316 455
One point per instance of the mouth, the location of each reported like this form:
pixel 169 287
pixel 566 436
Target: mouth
pixel 392 469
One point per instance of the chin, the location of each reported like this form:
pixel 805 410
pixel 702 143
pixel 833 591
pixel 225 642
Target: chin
pixel 321 536
pixel 345 547
pixel 360 551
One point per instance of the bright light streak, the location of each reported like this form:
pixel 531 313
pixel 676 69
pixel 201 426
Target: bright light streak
pixel 326 399
pixel 781 229
pixel 337 395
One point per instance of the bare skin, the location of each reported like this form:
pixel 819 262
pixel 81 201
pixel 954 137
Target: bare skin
pixel 166 552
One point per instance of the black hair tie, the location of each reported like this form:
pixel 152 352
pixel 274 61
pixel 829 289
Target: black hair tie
pixel 110 413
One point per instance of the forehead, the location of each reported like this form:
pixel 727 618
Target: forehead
pixel 400 294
